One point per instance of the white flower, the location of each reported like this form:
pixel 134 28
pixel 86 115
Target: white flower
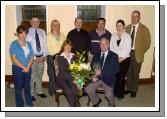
pixel 85 66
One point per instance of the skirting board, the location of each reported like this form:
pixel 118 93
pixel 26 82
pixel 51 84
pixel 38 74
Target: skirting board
pixel 9 80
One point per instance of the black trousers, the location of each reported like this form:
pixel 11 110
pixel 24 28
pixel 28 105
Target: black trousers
pixel 51 74
pixel 120 80
pixel 70 91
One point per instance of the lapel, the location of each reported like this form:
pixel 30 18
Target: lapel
pixel 128 30
pixel 107 59
pixel 138 35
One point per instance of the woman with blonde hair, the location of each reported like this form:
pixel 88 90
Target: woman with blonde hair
pixel 55 39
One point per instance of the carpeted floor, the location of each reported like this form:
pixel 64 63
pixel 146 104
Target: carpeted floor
pixel 145 98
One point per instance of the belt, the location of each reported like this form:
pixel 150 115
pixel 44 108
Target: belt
pixel 95 41
pixel 38 55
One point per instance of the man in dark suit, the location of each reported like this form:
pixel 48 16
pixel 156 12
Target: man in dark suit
pixel 109 68
pixel 141 41
pixel 79 38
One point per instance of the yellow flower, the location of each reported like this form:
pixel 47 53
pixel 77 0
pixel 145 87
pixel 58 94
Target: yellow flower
pixel 79 68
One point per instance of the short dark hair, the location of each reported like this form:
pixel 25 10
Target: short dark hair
pixel 20 29
pixel 78 18
pixel 101 18
pixel 136 12
pixel 120 21
pixel 34 17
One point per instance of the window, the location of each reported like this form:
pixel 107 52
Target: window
pixel 89 13
pixel 33 10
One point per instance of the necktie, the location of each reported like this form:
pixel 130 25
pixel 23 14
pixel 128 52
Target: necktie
pixel 133 34
pixel 118 42
pixel 102 60
pixel 38 47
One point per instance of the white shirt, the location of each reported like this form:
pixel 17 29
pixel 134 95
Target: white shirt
pixel 26 50
pixel 105 56
pixel 42 38
pixel 68 59
pixel 124 48
pixel 136 28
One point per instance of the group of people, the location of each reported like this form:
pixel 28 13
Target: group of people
pixel 119 54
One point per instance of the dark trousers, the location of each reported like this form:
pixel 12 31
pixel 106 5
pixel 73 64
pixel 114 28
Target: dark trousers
pixel 120 81
pixel 51 74
pixel 132 81
pixel 70 91
pixel 21 80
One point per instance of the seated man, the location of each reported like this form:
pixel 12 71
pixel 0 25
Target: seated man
pixel 109 68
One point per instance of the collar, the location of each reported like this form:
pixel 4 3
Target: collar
pixel 78 29
pixel 63 54
pixel 136 25
pixel 106 52
pixel 100 32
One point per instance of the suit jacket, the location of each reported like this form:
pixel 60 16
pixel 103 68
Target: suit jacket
pixel 142 41
pixel 63 65
pixel 110 68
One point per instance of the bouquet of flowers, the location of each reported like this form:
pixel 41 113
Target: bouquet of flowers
pixel 81 71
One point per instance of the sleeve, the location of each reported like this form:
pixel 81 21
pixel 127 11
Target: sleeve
pixel 116 66
pixel 147 41
pixel 125 50
pixel 88 43
pixel 12 48
pixel 94 61
pixel 69 35
pixel 31 50
pixel 112 44
pixel 45 45
pixel 28 37
pixel 63 37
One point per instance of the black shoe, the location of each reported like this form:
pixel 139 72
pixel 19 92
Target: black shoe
pixel 30 105
pixel 42 95
pixel 33 98
pixel 96 105
pixel 120 97
pixel 127 92
pixel 133 94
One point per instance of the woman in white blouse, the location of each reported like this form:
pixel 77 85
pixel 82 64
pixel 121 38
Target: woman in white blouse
pixel 120 43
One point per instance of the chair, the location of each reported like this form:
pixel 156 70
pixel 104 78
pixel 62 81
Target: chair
pixel 58 92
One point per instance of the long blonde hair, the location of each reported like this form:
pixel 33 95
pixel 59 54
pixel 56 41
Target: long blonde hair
pixel 52 24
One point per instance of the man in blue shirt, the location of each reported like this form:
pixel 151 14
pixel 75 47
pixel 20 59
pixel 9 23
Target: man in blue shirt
pixel 97 34
pixel 37 38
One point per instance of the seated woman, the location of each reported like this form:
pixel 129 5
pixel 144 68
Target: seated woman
pixel 64 79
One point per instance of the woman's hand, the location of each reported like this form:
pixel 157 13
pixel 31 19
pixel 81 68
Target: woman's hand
pixel 75 83
pixel 40 59
pixel 26 69
pixel 120 59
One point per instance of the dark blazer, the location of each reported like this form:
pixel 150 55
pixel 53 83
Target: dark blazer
pixel 110 68
pixel 63 65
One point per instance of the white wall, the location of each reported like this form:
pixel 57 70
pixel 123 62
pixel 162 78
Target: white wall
pixel 66 14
